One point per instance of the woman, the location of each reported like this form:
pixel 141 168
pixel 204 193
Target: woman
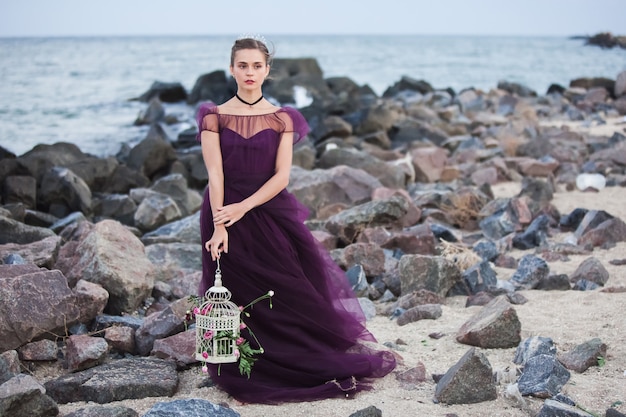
pixel 314 337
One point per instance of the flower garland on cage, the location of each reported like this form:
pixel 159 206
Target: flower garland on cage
pixel 218 337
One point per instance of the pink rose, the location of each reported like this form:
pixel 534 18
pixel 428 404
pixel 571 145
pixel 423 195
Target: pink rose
pixel 205 369
pixel 208 334
pixel 236 353
pixel 196 310
pixel 240 340
pixel 242 326
pixel 205 355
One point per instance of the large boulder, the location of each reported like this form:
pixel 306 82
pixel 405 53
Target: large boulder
pixel 35 303
pixel 111 255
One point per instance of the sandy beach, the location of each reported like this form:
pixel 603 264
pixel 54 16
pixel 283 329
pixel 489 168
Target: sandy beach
pixel 568 317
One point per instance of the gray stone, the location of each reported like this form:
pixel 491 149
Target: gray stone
pixel 533 346
pixel 584 356
pixel 496 325
pixel 17 232
pixel 119 380
pixel 103 411
pixel 469 381
pixel 543 376
pixel 433 273
pixel 24 396
pixel 552 408
pixel 157 326
pixel 34 303
pixel 348 224
pixel 192 407
pixel 84 351
pixel 42 253
pixel 111 256
pixel 531 270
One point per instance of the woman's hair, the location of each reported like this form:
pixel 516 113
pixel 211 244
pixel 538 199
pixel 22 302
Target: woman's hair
pixel 250 43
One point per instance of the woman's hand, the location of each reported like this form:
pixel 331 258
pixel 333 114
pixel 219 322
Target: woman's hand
pixel 230 214
pixel 218 242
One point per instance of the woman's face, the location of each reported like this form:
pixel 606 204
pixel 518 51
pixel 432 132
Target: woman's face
pixel 249 69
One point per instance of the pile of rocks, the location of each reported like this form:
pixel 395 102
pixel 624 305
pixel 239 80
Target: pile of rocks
pixel 99 255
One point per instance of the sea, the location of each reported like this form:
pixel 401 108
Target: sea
pixel 81 89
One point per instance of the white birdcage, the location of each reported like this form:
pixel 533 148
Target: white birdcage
pixel 217 325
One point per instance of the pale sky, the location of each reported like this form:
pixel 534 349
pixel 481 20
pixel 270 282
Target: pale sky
pixel 267 17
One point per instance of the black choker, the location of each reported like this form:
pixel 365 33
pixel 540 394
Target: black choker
pixel 248 103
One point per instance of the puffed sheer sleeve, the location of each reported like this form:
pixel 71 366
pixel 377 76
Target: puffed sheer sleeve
pixel 294 122
pixel 206 118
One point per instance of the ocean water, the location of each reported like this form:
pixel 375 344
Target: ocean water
pixel 78 90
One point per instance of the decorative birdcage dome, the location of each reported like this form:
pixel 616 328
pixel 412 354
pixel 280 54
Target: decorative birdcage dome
pixel 217 325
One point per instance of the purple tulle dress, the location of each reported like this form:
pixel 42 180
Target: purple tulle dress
pixel 314 336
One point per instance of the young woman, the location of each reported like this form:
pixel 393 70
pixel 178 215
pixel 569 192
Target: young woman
pixel 314 337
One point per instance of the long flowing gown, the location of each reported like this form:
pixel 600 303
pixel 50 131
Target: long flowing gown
pixel 314 337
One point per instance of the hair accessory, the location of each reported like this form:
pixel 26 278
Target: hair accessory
pixel 255 36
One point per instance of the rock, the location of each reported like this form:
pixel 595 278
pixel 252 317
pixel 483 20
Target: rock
pixel 543 376
pixel 535 235
pixel 42 158
pixel 152 157
pixel 118 207
pixel 559 282
pixel 421 312
pixel 24 396
pixel 469 381
pixel 584 356
pixel 153 114
pixel 165 92
pixel 591 269
pixel 156 210
pixel 110 255
pixel 116 381
pixel 185 230
pixel 477 278
pixel 19 233
pixel 605 235
pixel 62 192
pixel 530 272
pixel 42 253
pixel 20 189
pixel 180 347
pixel 432 273
pixel 36 302
pixel 318 188
pixel 348 224
pixel 429 163
pixel 211 87
pixel 496 325
pixel 175 186
pixel 389 174
pixel 552 408
pixel 9 365
pixel 103 411
pixel 42 350
pixel 169 258
pixel 84 351
pixel 191 407
pixel 620 85
pixel 157 326
pixel 533 346
pixel 412 377
pixel 121 339
pixel 591 220
pixel 370 411
pixel 370 256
